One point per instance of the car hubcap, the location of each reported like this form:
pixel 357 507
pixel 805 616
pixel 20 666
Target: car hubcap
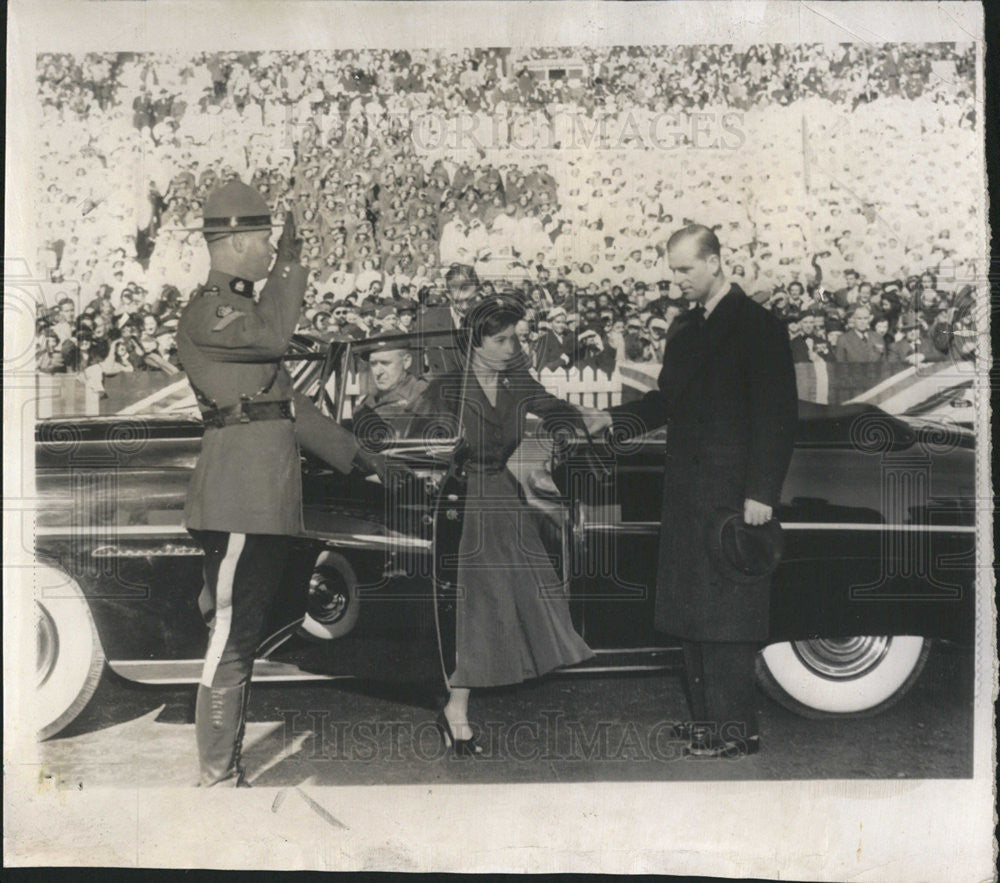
pixel 48 646
pixel 328 597
pixel 840 659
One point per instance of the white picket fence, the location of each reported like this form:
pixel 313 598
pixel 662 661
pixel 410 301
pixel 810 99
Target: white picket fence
pixel 583 386
pixel 587 387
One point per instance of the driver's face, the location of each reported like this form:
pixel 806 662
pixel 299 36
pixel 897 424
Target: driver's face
pixel 388 368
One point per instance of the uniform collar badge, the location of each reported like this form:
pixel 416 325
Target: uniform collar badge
pixel 242 287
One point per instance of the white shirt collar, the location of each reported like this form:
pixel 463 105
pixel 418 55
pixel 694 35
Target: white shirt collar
pixel 713 301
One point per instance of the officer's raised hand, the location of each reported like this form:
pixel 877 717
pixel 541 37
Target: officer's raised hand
pixel 289 243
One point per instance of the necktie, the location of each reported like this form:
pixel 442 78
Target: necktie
pixel 698 316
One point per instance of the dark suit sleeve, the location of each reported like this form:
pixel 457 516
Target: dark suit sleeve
pixel 642 415
pixel 773 406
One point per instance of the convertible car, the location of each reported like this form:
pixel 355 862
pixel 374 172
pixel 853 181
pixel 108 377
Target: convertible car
pixel 878 514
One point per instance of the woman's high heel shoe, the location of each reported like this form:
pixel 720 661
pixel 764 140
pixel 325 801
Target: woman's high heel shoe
pixel 462 747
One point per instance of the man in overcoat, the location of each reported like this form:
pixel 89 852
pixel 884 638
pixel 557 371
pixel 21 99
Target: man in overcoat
pixel 727 394
pixel 462 285
pixel 245 497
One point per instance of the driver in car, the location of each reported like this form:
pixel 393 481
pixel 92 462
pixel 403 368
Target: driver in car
pixel 386 412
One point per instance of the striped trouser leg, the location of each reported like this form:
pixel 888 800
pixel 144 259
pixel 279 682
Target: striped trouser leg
pixel 242 574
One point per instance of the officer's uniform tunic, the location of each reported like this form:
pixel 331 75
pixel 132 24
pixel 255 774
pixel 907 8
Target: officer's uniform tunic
pixel 245 496
pixel 248 477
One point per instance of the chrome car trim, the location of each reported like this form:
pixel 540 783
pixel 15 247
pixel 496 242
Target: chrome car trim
pixel 109 530
pixel 352 540
pixel 654 527
pixel 188 671
pixel 369 540
pixel 166 551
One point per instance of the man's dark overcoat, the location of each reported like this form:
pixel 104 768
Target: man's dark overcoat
pixel 728 396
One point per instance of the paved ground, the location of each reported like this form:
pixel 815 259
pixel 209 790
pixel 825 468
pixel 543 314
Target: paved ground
pixel 599 727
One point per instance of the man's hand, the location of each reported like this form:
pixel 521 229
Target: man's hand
pixel 595 420
pixel 756 513
pixel 392 476
pixel 289 244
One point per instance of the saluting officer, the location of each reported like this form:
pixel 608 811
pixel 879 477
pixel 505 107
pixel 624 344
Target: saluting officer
pixel 245 496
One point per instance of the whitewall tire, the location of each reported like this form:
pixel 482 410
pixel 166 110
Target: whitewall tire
pixel 842 677
pixel 69 660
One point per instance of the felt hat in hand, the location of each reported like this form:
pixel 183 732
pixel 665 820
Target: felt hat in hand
pixel 742 552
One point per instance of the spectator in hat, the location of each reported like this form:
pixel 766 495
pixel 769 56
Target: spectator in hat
pixel 557 347
pixel 916 346
pixel 407 313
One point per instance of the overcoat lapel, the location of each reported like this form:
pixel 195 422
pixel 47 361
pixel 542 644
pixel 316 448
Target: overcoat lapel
pixel 689 349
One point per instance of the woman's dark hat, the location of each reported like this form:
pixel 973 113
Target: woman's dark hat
pixel 490 306
pixel 741 552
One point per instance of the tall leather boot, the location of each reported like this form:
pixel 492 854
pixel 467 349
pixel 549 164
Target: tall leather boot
pixel 219 719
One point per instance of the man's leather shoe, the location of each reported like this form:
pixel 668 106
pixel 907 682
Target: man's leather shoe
pixel 680 730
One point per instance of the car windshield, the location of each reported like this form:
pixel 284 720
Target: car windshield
pixel 388 375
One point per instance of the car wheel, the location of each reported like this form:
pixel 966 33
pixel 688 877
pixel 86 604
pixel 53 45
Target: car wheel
pixel 842 677
pixel 333 605
pixel 69 659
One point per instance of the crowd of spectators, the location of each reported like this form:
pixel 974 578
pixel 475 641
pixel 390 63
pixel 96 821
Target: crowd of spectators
pixel 398 164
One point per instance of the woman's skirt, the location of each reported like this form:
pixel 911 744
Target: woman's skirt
pixel 513 620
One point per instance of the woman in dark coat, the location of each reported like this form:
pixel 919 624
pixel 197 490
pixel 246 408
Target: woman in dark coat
pixel 513 621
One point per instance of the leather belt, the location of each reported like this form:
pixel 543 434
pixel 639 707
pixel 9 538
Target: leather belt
pixel 248 412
